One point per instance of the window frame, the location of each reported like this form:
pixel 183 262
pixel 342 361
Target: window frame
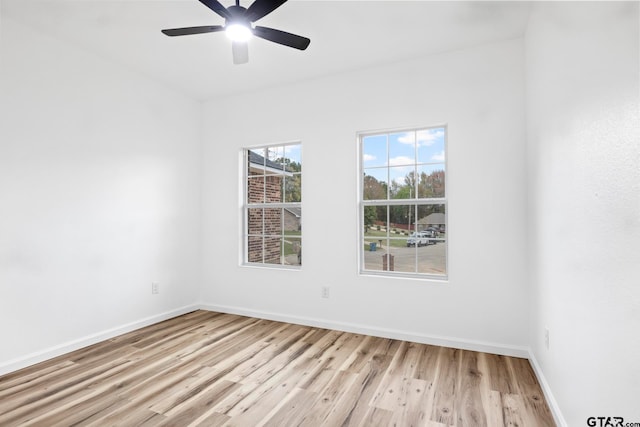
pixel 246 206
pixel 388 202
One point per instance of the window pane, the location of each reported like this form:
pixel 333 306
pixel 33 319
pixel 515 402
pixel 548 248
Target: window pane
pixel 431 183
pixel 374 184
pixel 256 161
pixel 273 188
pixel 401 219
pixel 254 249
pixel 255 189
pixel 274 163
pixel 402 148
pixel 292 250
pixel 375 222
pixel 374 151
pixel 374 250
pixel 402 182
pixel 292 221
pixel 272 250
pixel 431 145
pixel 275 155
pixel 273 221
pixel 293 158
pixel 432 259
pixel 402 258
pixel 292 188
pixel 388 260
pixel 431 218
pixel 254 221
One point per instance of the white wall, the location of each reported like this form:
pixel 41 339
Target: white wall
pixel 100 196
pixel 584 204
pixel 479 92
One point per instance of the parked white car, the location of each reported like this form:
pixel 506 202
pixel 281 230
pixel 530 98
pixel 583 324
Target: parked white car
pixel 418 238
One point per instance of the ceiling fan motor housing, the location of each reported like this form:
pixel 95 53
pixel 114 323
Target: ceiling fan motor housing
pixel 238 17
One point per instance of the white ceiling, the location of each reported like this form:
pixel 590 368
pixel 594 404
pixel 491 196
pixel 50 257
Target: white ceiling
pixel 345 35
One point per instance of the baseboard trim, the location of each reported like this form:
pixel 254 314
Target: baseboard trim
pixel 553 404
pixel 50 353
pixel 485 347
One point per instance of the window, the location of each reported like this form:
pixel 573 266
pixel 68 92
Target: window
pixel 403 204
pixel 273 205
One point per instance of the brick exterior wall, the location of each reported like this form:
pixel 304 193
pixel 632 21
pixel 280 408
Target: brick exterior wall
pixel 259 187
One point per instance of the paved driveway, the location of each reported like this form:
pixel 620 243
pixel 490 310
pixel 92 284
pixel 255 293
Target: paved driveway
pixel 426 259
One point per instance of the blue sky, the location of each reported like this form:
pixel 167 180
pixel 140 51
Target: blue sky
pixel 399 152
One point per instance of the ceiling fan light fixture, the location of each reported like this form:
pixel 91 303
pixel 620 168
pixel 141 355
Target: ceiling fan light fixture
pixel 238 32
pixel 238 24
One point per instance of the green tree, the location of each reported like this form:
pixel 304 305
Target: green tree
pixel 292 184
pixel 370 217
pixel 431 185
pixel 374 189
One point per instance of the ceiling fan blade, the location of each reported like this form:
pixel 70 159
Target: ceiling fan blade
pixel 240 52
pixel 282 37
pixel 193 30
pixel 217 8
pixel 260 8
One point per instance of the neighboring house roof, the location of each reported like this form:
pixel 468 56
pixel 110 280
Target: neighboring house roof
pixel 434 218
pixel 297 212
pixel 257 159
pixel 259 162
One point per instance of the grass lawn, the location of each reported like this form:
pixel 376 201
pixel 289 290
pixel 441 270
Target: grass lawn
pixel 288 243
pixel 373 236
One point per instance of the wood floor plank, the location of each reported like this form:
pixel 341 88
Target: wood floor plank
pixel 43 399
pixel 80 410
pixel 266 387
pixel 186 411
pixel 530 391
pixel 14 383
pixel 444 410
pixel 409 408
pixel 499 374
pixel 215 369
pixel 427 366
pixel 513 410
pixel 469 404
pixel 375 417
pixel 294 409
pixel 211 419
pixel 327 399
pixel 491 399
pixel 355 402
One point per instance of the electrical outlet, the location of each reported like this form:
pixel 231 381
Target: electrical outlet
pixel 325 292
pixel 155 288
pixel 546 338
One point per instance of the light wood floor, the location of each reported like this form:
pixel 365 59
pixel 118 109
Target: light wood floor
pixel 212 369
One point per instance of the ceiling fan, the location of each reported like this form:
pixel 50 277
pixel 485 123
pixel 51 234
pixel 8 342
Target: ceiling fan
pixel 239 28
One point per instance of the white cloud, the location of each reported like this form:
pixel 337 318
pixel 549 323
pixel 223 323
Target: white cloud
pixel 425 138
pixel 368 157
pixel 438 157
pixel 428 137
pixel 407 138
pixel 401 160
